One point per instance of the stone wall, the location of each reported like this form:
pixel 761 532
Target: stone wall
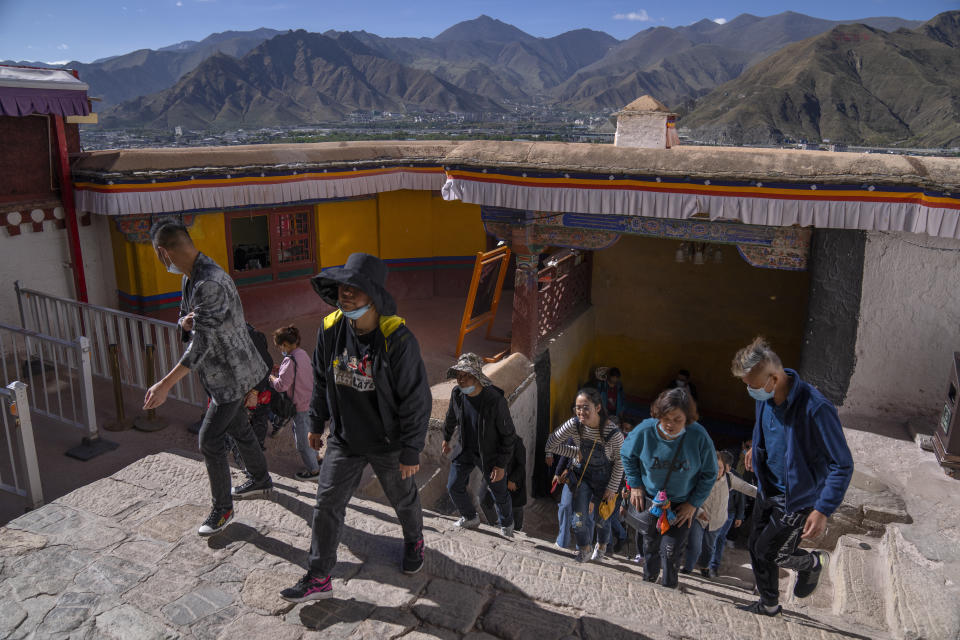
pixel 909 326
pixel 40 260
pixel 648 130
pixel 833 313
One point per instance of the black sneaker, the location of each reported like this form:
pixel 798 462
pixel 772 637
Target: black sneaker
pixel 412 556
pixel 308 588
pixel 306 474
pixel 253 489
pixel 215 522
pixel 760 609
pixel 808 581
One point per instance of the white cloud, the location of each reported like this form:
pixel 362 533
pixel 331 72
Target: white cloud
pixel 635 16
pixel 57 63
pixel 62 47
pixel 179 4
pixel 720 20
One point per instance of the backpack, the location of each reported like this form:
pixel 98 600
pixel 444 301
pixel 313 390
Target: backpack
pixel 260 342
pixel 281 402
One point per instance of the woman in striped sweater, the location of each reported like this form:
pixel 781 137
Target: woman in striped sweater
pixel 595 468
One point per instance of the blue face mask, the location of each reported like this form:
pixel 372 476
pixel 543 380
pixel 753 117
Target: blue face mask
pixel 468 390
pixel 356 314
pixel 759 394
pixel 284 353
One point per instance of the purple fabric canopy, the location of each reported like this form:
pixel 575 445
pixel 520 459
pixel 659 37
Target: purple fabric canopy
pixel 23 101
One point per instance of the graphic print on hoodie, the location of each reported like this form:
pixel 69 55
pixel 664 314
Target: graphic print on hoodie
pixel 362 426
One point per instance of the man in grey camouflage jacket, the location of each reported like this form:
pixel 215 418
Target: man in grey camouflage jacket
pixel 220 350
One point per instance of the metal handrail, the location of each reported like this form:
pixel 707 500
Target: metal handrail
pixel 15 410
pixel 69 361
pixel 104 326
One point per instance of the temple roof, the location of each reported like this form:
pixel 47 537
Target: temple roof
pixel 693 162
pixel 646 103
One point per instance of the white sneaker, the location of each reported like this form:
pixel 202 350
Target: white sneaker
pixel 581 555
pixel 638 558
pixel 507 532
pixel 467 523
pixel 597 553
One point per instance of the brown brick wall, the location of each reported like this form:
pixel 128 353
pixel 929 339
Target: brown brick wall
pixel 26 161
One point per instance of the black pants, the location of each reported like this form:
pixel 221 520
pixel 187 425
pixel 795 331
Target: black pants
pixel 664 551
pixel 774 541
pixel 220 420
pixel 340 474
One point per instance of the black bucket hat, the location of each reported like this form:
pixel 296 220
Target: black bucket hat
pixel 363 271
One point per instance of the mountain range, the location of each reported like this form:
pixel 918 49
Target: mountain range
pixel 853 84
pixel 751 80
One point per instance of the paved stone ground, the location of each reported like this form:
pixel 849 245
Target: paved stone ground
pixel 119 558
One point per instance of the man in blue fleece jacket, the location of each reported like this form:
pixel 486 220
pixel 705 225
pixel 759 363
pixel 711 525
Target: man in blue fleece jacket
pixel 803 467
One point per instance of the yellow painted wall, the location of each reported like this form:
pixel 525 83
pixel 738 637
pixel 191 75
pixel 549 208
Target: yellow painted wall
pixel 392 225
pixel 405 224
pixel 344 228
pixel 456 228
pixel 655 316
pixel 139 271
pixel 572 358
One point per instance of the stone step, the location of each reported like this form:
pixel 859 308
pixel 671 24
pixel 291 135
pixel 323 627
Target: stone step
pixel 121 558
pixel 921 599
pixel 859 580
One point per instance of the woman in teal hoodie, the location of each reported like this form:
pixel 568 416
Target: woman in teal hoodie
pixel 672 439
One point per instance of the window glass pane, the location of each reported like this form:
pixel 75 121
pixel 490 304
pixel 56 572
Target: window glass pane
pixel 290 251
pixel 292 224
pixel 251 243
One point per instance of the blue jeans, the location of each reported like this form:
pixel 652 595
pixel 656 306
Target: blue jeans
pixel 584 518
pixel 457 488
pixel 720 543
pixel 700 546
pixel 564 517
pixel 301 427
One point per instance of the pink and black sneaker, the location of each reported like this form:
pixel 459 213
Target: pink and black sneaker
pixel 308 588
pixel 412 556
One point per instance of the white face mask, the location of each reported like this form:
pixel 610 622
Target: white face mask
pixel 171 268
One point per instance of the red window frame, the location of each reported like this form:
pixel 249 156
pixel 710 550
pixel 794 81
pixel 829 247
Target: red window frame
pixel 285 227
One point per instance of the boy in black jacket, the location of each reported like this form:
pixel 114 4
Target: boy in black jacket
pixel 487 435
pixel 369 379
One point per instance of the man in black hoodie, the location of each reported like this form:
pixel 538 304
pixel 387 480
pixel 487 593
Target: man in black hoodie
pixel 487 436
pixel 371 383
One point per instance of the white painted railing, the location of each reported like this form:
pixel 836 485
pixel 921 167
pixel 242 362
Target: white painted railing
pixel 61 383
pixel 63 318
pixel 19 471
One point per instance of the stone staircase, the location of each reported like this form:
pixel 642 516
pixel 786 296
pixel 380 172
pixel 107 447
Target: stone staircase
pixel 119 558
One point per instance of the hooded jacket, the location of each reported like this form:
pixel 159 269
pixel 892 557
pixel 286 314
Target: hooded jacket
pixel 404 401
pixel 494 426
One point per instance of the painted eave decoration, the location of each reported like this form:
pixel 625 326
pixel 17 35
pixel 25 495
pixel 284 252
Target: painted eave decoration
pixel 767 187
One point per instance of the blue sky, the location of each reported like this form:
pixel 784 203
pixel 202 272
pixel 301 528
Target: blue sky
pixel 53 30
